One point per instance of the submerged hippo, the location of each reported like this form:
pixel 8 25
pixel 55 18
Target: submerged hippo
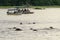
pixel 17 29
pixel 48 28
pixel 33 29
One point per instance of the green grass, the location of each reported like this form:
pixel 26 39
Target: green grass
pixel 10 6
pixel 6 6
pixel 45 6
pixel 31 6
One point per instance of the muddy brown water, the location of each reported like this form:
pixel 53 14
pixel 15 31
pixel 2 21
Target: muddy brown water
pixel 42 18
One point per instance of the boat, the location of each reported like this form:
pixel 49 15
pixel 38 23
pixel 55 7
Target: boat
pixel 17 11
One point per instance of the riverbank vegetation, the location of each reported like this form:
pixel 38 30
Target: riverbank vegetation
pixel 30 2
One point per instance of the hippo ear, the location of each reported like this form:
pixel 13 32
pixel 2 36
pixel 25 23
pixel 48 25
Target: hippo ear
pixel 51 27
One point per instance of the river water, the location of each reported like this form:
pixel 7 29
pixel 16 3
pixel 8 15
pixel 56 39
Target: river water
pixel 42 18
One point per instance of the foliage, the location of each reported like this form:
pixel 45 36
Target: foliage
pixel 29 2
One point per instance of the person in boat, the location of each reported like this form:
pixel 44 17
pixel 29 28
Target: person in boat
pixel 18 10
pixel 25 10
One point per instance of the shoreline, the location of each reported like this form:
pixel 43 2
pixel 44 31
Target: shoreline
pixel 5 7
